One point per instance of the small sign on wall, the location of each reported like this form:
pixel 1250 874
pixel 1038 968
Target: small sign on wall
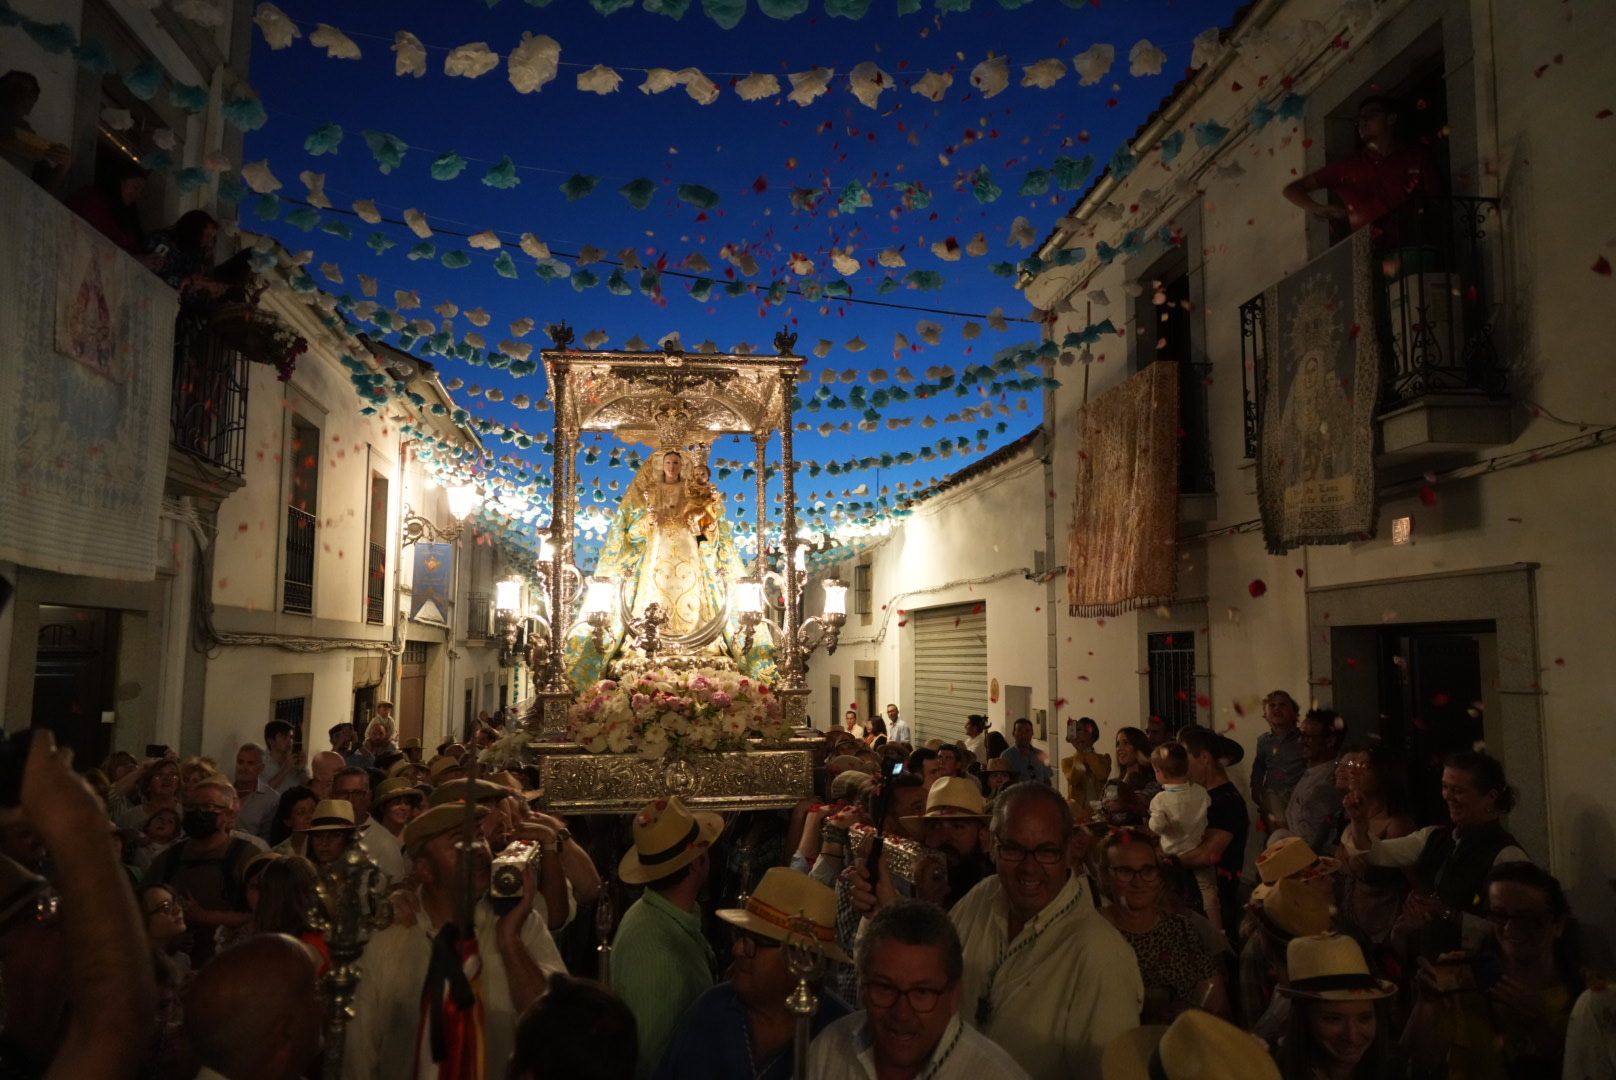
pixel 1402 530
pixel 993 691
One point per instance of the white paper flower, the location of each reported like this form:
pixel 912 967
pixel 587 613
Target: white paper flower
pixel 117 119
pixel 164 139
pixel 404 300
pixel 947 250
pixel 279 31
pixel 366 209
pixel 846 265
pixel 474 339
pixel 1207 47
pixel 933 85
pixel 1021 233
pixel 630 258
pixel 904 375
pixel 801 264
pixel 996 320
pixel 756 87
pixel 702 90
pixel 533 247
pixel 850 376
pixel 1098 296
pixel 315 182
pixel 991 76
pixel 209 13
pixel 810 84
pixel 470 61
pixel 824 347
pixel 1145 59
pixel 589 253
pixel 600 79
pixel 697 263
pixel 447 308
pixel 337 45
pixel 971 331
pixel 487 240
pixel 1043 74
pixel 1094 62
pixel 659 79
pixel 868 82
pixel 417 223
pixel 409 55
pixel 522 327
pixel 595 339
pixel 478 317
pixel 259 178
pixel 217 162
pixel 332 272
pixel 978 246
pixel 519 349
pixel 533 62
pixel 891 258
pixel 367 285
pixel 855 345
pixel 900 343
pixel 929 332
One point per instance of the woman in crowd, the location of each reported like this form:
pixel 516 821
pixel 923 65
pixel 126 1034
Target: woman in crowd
pixel 1500 1011
pixel 135 794
pixel 252 876
pixel 997 744
pixel 329 832
pixel 1178 970
pixel 998 776
pixel 1339 1023
pixel 193 770
pixel 288 832
pixel 164 914
pixel 111 204
pixel 396 803
pixel 1127 795
pixel 1372 896
pixel 1449 862
pixel 286 897
pixel 119 764
pixel 1085 770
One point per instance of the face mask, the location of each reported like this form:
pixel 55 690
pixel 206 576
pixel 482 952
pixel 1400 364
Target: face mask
pixel 200 824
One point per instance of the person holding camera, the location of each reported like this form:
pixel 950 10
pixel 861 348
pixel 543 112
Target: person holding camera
pixel 509 949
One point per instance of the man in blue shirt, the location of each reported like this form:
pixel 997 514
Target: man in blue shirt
pixel 1024 760
pixel 741 1029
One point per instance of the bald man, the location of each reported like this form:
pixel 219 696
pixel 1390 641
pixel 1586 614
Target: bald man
pixel 325 767
pixel 253 1013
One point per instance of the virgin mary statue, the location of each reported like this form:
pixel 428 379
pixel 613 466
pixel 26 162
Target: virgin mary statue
pixel 671 544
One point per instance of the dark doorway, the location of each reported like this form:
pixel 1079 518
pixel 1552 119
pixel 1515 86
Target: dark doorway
pixel 864 691
pixel 835 706
pixel 75 671
pixel 1434 682
pixel 364 705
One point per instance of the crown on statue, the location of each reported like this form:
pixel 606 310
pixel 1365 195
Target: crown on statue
pixel 672 422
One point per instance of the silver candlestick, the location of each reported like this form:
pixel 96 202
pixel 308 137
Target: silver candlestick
pixel 805 961
pixel 352 904
pixel 604 914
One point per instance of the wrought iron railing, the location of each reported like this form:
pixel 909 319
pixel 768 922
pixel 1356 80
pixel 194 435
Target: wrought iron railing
pixel 208 407
pixel 1435 313
pixel 297 594
pixel 1195 475
pixel 376 584
pixel 478 614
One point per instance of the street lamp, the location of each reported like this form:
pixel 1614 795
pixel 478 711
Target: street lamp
pixel 748 597
pixel 599 599
pixel 823 629
pixel 463 499
pixel 507 616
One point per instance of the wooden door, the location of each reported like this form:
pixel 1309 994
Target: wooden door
pixel 75 669
pixel 412 690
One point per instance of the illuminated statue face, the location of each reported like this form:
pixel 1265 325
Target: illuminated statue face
pixel 671 466
pixel 703 473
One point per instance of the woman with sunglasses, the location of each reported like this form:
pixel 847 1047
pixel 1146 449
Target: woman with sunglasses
pixel 1178 968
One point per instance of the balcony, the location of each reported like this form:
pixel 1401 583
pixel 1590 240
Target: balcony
pixel 376 585
pixel 298 587
pixel 208 410
pixel 1444 389
pixel 479 613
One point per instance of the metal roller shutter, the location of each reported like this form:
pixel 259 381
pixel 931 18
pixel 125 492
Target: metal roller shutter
pixel 951 670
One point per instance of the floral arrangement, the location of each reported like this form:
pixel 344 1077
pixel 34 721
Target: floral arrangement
pixel 664 713
pixel 260 335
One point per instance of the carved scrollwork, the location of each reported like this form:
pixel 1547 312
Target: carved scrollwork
pixel 582 783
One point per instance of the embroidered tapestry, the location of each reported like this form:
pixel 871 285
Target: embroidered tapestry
pixel 1122 552
pixel 1321 378
pixel 89 338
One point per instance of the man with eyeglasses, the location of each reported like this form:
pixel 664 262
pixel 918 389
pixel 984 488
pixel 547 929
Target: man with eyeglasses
pixel 206 867
pixel 1046 976
pixel 352 785
pixel 910 971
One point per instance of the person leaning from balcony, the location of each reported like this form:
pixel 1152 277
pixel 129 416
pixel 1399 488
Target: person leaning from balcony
pixel 46 162
pixel 911 977
pixel 1502 1008
pixel 517 953
pixel 741 1028
pixel 1177 967
pixel 112 204
pixel 1380 177
pixel 285 766
pixel 660 961
pixel 1449 862
pixel 1279 761
pixel 185 252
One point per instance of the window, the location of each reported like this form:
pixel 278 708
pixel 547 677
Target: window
pixel 376 564
pixel 1171 658
pixel 301 518
pixel 863 589
pixel 293 711
pixel 478 611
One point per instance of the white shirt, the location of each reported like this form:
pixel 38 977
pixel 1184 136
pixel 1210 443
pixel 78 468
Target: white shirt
pixel 1178 816
pixel 1064 988
pixel 978 746
pixel 256 814
pixel 898 730
pixel 844 1051
pixel 385 849
pixel 1591 1037
pixel 392 974
pixel 1403 851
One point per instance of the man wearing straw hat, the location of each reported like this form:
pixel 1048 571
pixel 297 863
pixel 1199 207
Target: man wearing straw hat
pixel 660 961
pixel 741 1029
pixel 404 964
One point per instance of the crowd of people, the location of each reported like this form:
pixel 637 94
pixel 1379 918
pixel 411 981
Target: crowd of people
pixel 966 917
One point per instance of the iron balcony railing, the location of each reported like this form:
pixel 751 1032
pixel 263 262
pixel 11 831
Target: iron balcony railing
pixel 1435 311
pixel 208 407
pixel 298 591
pixel 478 614
pixel 376 584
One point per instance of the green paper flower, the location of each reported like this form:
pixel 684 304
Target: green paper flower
pixel 983 187
pixel 697 196
pixel 267 207
pixel 650 283
pixel 854 196
pixel 144 81
pixel 610 7
pixel 638 192
pixel 191 99
pixel 338 228
pixel 782 9
pixel 776 294
pixel 448 166
pixel 388 150
pixel 1123 163
pixel 847 9
pixel 838 289
pixel 915 197
pixel 673 9
pixel 924 280
pixel 736 288
pixel 579 186
pixel 1209 133
pixel 1035 183
pixel 304 217
pixel 889 284
pixel 379 242
pixel 805 198
pixel 953 5
pixel 325 139
pixel 455 260
pixel 617 284
pixel 726 13
pixel 701 290
pixel 503 175
pixel 908 7
pixel 584 279
pixel 1004 269
pixel 1070 173
pixel 245 113
pixel 426 249
pixel 504 265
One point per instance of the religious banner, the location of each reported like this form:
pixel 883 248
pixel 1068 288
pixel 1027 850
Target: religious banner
pixel 1122 551
pixel 89 338
pixel 1316 460
pixel 434 578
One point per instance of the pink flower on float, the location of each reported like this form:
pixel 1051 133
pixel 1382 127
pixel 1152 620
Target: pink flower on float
pixel 721 699
pixel 607 686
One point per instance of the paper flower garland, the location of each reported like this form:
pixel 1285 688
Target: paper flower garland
pixel 806 86
pixel 599 79
pixel 337 45
pixel 533 63
pixel 279 31
pixel 1145 59
pixel 409 55
pixel 1093 63
pixel 471 61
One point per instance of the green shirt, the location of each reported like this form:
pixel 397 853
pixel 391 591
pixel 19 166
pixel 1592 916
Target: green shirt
pixel 660 964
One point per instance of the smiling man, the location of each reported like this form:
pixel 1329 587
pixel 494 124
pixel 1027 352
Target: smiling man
pixel 1047 977
pixel 910 970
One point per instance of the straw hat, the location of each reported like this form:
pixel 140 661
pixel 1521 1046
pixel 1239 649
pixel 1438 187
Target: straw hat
pixel 1331 967
pixel 441 764
pixel 1197 1046
pixel 998 765
pixel 1292 856
pixel 433 823
pixel 395 787
pixel 850 763
pixel 850 785
pixel 330 815
pixel 1292 908
pixel 407 768
pixel 410 744
pixel 782 896
pixel 667 838
pixel 258 863
pixel 480 791
pixel 952 797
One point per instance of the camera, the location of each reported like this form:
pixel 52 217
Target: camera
pixel 505 882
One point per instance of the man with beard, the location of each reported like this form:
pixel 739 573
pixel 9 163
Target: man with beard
pixel 406 964
pixel 956 824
